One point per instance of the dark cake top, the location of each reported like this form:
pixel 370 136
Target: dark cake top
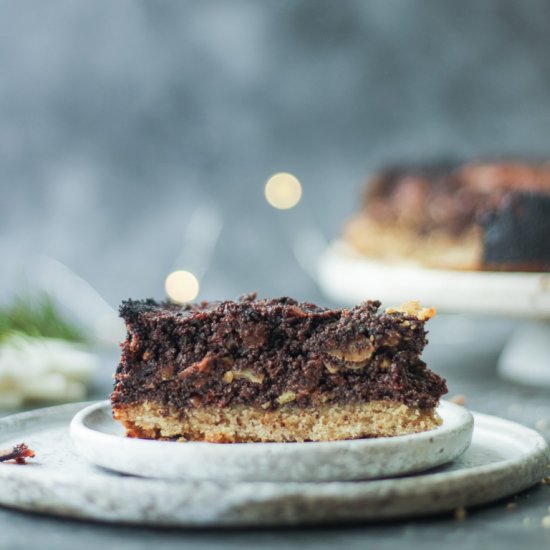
pixel 130 309
pixel 249 309
pixel 451 196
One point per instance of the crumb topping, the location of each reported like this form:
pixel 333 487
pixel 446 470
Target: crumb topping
pixel 18 454
pixel 273 353
pixel 413 309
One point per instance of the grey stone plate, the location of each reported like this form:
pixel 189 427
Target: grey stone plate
pixel 504 458
pixel 101 440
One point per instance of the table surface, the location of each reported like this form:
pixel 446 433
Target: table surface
pixel 465 352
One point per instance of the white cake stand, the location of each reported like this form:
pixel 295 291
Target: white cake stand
pixel 349 278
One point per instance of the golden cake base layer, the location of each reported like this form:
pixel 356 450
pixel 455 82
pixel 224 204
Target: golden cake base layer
pixel 239 424
pixel 392 242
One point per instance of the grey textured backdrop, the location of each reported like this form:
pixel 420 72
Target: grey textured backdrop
pixel 118 118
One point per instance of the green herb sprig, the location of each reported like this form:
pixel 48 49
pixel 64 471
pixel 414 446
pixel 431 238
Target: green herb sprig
pixel 38 317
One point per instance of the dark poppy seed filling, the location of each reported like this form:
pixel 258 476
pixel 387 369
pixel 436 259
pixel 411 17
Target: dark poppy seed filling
pixel 272 352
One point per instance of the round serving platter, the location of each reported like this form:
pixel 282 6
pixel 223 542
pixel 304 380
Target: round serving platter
pixel 350 278
pixel 503 458
pixel 101 440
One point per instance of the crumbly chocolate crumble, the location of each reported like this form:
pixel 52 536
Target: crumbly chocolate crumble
pixel 18 454
pixel 272 353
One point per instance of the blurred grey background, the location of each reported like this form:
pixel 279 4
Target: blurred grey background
pixel 119 119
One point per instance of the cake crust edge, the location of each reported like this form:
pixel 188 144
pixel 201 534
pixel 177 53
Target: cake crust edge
pixel 243 424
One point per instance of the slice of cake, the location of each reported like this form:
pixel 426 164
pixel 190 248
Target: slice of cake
pixel 485 215
pixel 273 370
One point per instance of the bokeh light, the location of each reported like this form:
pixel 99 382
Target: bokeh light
pixel 283 191
pixel 182 286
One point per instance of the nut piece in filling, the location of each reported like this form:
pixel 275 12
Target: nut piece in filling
pixel 274 370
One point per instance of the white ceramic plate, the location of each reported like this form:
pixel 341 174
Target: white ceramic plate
pixel 349 278
pixel 504 458
pixel 101 440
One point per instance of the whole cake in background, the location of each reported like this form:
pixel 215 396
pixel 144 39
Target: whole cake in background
pixel 476 216
pixel 274 370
